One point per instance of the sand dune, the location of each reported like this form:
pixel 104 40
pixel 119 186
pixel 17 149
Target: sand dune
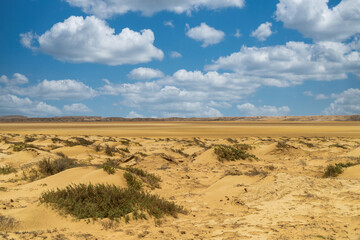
pixel 279 195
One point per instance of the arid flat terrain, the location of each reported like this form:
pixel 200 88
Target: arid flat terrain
pixel 221 129
pixel 229 180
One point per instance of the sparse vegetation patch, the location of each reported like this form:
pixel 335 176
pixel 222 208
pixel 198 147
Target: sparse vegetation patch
pixel 337 169
pixel 151 179
pixel 233 153
pixel 108 201
pixel 7 169
pixel 7 223
pixel 110 166
pixel 337 145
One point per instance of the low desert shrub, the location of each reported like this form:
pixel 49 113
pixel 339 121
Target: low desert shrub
pixel 110 151
pixel 338 146
pixel 132 181
pixel 108 201
pixel 78 141
pixel 7 223
pixel 18 147
pixel 233 153
pixel 149 178
pixel 49 167
pixel 29 139
pixel 338 168
pixel 110 166
pixel 7 169
pixel 309 145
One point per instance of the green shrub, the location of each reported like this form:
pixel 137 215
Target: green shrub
pixel 22 146
pixel 338 168
pixel 110 150
pixel 7 223
pixel 151 179
pixel 7 169
pixel 83 141
pixel 124 150
pixel 338 146
pixel 29 139
pixel 48 167
pixel 109 169
pixel 233 153
pixel 107 201
pixel 110 166
pixel 132 181
pixel 78 141
pixel 98 148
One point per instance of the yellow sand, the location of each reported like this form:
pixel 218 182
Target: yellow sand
pixel 280 196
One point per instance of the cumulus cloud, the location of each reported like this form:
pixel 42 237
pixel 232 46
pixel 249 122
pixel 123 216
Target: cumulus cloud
pixel 175 54
pixel 91 40
pixel 57 90
pixel 77 108
pixel 169 24
pixel 133 114
pixel 11 104
pixel 4 79
pixel 248 109
pixel 108 8
pixel 205 34
pixel 237 33
pixel 314 18
pixel 17 79
pixel 145 73
pixel 185 93
pixel 262 32
pixel 316 96
pixel 293 63
pixel 346 103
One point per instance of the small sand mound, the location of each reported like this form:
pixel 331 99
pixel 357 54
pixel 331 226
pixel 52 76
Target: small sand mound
pixel 206 158
pixel 229 186
pixel 76 151
pixel 354 153
pixel 351 173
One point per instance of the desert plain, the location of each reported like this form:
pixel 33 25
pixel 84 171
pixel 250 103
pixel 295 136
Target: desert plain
pixel 232 180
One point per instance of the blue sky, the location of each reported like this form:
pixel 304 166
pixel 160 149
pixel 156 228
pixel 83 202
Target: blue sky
pixel 188 58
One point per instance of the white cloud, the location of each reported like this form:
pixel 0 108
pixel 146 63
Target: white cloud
pixel 169 24
pixel 262 32
pixel 308 93
pixel 133 114
pixel 57 90
pixel 17 79
pixel 175 54
pixel 206 34
pixel 293 63
pixel 346 103
pixel 4 79
pixel 28 39
pixel 316 96
pixel 145 73
pixel 91 40
pixel 237 33
pixel 108 8
pixel 11 104
pixel 314 19
pixel 77 108
pixel 248 109
pixel 321 97
pixel 185 93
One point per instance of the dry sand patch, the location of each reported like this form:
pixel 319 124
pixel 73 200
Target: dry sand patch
pixel 279 195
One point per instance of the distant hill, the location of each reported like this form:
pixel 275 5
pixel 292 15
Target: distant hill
pixel 19 118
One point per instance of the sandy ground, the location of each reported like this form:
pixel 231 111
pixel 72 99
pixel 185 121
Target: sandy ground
pixel 190 129
pixel 282 195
